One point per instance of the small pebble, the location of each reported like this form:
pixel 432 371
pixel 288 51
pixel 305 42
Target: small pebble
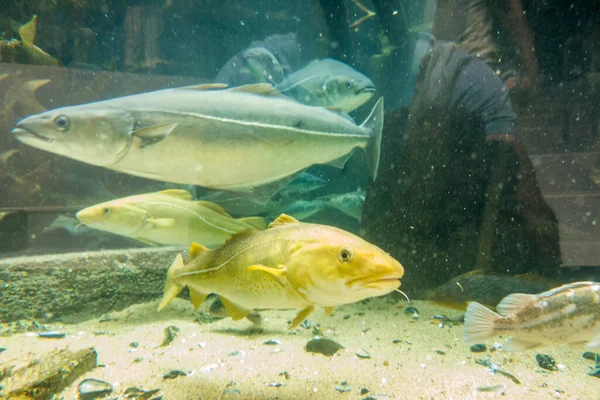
pixel 364 391
pixel 546 361
pixel 343 387
pixel 52 335
pixel 414 313
pixel 174 374
pixel 92 388
pixel 276 384
pixel 272 342
pixel 323 346
pixel 490 389
pixel 2 349
pixel 441 352
pixel 588 355
pixel 134 345
pixel 478 348
pixel 362 353
pixel 347 316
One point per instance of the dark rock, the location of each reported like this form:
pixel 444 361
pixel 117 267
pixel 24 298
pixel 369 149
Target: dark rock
pixel 323 346
pixel 588 355
pixel 364 391
pixel 272 342
pixel 413 311
pixel 478 348
pixel 174 374
pixel 546 361
pixel 134 345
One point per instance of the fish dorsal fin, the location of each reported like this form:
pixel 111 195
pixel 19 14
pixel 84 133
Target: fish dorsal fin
pixel 263 89
pixel 177 193
pixel 195 250
pixel 205 86
pixel 241 234
pixel 283 219
pixel 27 31
pixel 212 206
pixel 515 302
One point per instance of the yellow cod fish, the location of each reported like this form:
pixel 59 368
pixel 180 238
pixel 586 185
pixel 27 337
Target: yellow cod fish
pixel 566 314
pixel 290 265
pixel 169 217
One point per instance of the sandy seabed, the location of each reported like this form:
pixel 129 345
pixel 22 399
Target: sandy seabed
pixel 409 358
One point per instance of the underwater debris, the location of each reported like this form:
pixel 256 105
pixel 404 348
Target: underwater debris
pixel 490 389
pixel 51 335
pixel 493 367
pixel 140 394
pixel 588 355
pixel 2 349
pixel 171 333
pixel 368 14
pixel 272 342
pixel 92 388
pixel 285 374
pixel 594 371
pixel 546 361
pixel 478 348
pixel 134 345
pixel 44 376
pixel 174 373
pixel 323 346
pixel 276 384
pixel 362 353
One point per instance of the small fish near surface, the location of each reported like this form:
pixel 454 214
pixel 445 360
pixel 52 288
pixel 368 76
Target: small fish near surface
pixel 290 265
pixel 486 288
pixel 328 83
pixel 568 314
pixel 249 138
pixel 169 217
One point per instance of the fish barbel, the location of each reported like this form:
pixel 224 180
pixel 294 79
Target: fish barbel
pixel 169 217
pixel 567 314
pixel 290 265
pixel 232 139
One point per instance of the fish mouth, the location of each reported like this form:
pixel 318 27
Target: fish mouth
pixel 368 89
pixel 21 133
pixel 391 282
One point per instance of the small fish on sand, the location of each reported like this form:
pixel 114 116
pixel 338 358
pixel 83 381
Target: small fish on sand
pixel 486 288
pixel 328 83
pixel 169 217
pixel 250 138
pixel 290 265
pixel 568 314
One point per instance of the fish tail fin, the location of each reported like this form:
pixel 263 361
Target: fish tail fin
pixel 172 288
pixel 479 323
pixel 255 222
pixel 374 123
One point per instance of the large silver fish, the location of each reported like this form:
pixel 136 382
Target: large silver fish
pixel 328 83
pixel 232 139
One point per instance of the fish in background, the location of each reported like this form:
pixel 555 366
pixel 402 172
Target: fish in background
pixel 169 217
pixel 350 203
pixel 250 138
pixel 486 288
pixel 263 65
pixel 303 209
pixel 568 314
pixel 290 265
pixel 328 83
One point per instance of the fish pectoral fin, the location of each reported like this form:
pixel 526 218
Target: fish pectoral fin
pixel 516 344
pixel 212 206
pixel 255 222
pixel 172 287
pixel 177 193
pixel 263 89
pixel 161 222
pixel 195 249
pixel 197 297
pixel 329 310
pixel 278 274
pixel 515 302
pixel 205 86
pixel 153 134
pixel 235 312
pixel 283 219
pixel 340 162
pixel 301 316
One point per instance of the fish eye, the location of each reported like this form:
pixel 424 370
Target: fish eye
pixel 106 210
pixel 345 255
pixel 349 84
pixel 62 123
